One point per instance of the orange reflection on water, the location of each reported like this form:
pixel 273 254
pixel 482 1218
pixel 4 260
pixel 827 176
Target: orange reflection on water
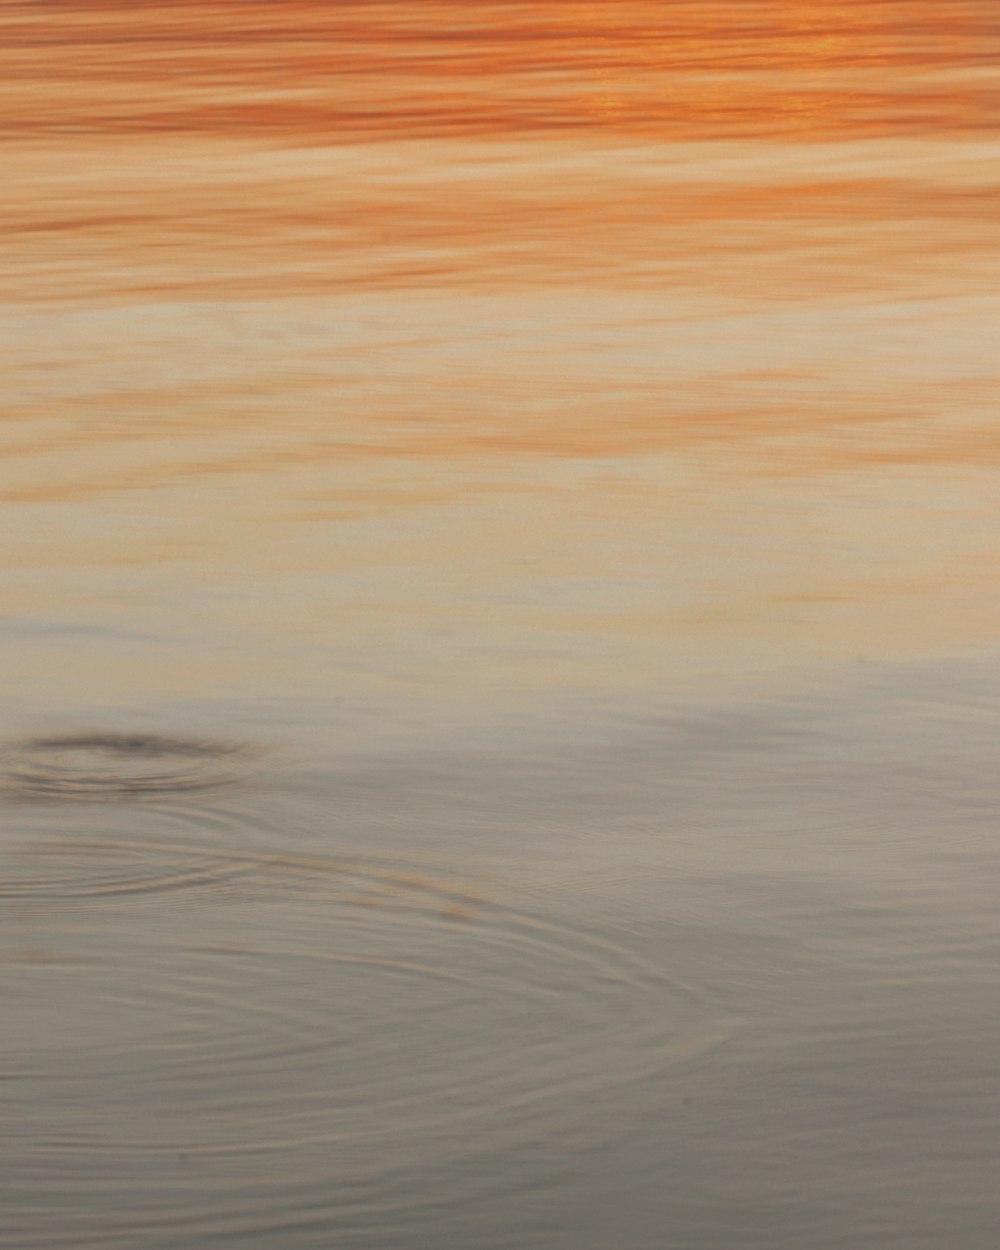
pixel 126 221
pixel 321 290
pixel 350 72
pixel 226 150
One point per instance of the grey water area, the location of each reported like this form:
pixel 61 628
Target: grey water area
pixel 703 976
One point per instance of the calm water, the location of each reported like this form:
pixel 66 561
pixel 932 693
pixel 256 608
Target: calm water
pixel 500 687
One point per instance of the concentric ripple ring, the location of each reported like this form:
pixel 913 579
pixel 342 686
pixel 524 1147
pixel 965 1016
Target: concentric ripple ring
pixel 117 765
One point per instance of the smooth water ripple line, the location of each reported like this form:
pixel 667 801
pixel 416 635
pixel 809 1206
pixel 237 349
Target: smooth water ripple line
pixel 372 1011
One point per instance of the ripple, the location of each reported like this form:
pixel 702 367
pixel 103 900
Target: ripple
pixel 54 858
pixel 322 1026
pixel 115 766
pixel 60 870
pixel 368 1020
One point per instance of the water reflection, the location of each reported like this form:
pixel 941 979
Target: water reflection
pixel 352 70
pixel 563 434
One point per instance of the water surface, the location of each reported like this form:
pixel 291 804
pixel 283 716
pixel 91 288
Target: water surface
pixel 499 625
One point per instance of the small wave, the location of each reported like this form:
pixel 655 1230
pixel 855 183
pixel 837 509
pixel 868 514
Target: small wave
pixel 113 766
